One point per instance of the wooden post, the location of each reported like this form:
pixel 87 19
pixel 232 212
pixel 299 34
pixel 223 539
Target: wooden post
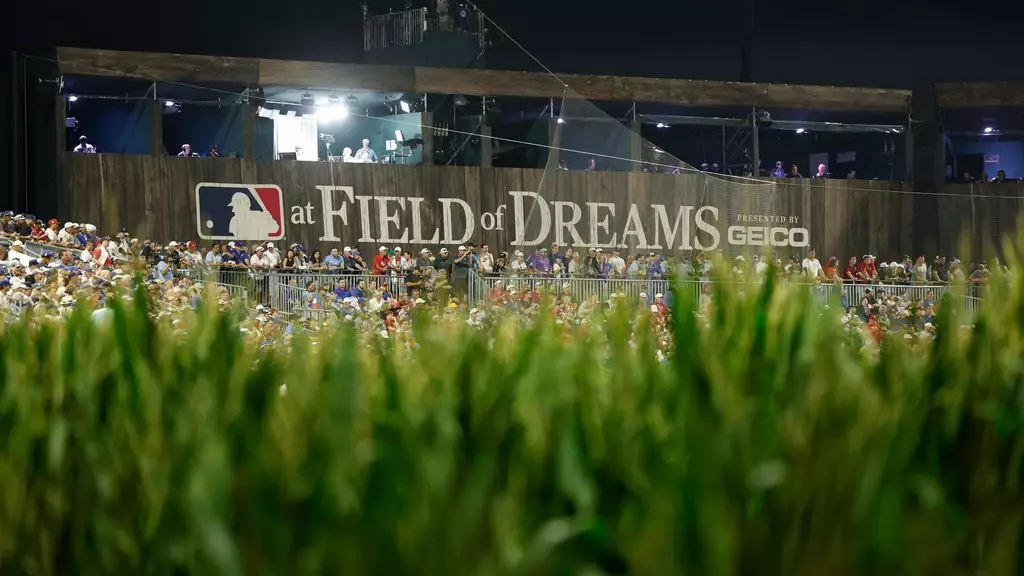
pixel 755 138
pixel 62 201
pixel 486 149
pixel 248 130
pixel 156 128
pixel 554 142
pixel 636 146
pixel 427 134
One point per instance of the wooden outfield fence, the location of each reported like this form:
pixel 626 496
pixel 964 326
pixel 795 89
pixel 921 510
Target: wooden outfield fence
pixel 416 207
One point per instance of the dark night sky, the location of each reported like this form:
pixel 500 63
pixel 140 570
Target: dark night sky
pixel 875 43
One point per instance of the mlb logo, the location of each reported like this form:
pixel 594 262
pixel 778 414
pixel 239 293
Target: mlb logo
pixel 239 211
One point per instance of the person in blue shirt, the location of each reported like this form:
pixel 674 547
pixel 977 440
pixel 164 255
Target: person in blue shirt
pixel 234 254
pixel 654 270
pixel 359 291
pixel 341 291
pixel 539 261
pixel 334 260
pixel 313 299
pixel 163 271
pixel 365 154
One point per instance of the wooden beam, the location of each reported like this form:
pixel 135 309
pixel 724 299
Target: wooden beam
pixel 336 76
pixel 185 68
pixel 979 94
pixel 658 90
pixel 161 67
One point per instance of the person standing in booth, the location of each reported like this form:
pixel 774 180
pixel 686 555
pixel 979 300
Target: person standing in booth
pixel 366 154
pixel 84 147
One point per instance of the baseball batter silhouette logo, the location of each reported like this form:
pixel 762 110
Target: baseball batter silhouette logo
pixel 239 211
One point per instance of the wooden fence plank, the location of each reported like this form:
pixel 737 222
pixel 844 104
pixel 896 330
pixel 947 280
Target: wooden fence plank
pixel 155 197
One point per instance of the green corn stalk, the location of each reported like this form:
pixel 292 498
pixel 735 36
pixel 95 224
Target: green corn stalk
pixel 767 444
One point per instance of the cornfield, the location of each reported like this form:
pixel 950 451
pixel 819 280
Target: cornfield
pixel 765 444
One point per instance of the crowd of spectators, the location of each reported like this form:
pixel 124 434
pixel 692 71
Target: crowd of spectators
pixel 383 291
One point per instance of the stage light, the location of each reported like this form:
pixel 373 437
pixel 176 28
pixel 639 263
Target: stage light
pixel 404 106
pixel 800 130
pixel 661 125
pixel 72 98
pixel 331 113
pixel 989 130
pixel 307 100
pixel 561 121
pixel 169 103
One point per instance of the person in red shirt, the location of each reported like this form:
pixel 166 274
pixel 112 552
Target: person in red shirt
pixel 875 328
pixel 831 270
pixel 38 230
pixel 100 255
pixel 535 296
pixel 391 320
pixel 850 272
pixel 498 293
pixel 659 301
pixel 380 262
pixel 866 271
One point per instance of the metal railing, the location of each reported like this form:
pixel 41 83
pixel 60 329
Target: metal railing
pixel 394 30
pixel 407 28
pixel 285 290
pixel 480 288
pixel 292 291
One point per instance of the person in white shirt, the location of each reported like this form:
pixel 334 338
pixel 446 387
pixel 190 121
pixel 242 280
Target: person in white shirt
pixel 192 254
pixel 65 236
pixel 811 266
pixel 52 228
pixel 84 147
pixel 86 255
pixel 213 256
pixel 486 261
pixel 618 264
pixel 114 250
pixel 259 259
pixel 273 254
pixel 760 264
pixel 104 255
pixel 519 265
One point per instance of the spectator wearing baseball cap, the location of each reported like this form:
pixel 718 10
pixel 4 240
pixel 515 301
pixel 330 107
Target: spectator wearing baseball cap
pixel 380 261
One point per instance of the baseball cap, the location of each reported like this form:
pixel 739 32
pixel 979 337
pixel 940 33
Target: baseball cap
pixel 462 247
